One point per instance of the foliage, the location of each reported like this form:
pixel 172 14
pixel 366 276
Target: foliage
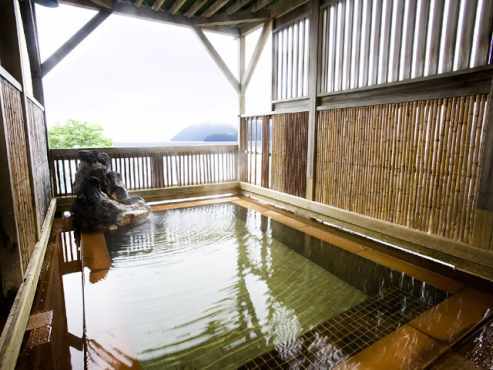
pixel 77 134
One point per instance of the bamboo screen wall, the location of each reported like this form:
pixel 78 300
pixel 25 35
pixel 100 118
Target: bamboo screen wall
pixel 39 159
pixel 289 155
pixel 415 163
pixel 15 138
pixel 290 60
pixel 369 42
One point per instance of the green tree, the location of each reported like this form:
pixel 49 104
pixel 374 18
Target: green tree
pixel 77 134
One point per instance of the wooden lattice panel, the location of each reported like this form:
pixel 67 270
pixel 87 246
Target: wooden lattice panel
pixel 19 170
pixel 415 163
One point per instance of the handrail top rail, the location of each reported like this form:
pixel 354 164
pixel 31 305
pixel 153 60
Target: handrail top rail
pixel 151 150
pixel 273 113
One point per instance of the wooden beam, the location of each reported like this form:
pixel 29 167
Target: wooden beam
pixel 196 6
pixel 165 17
pixel 313 61
pixel 75 40
pixel 13 331
pixel 234 19
pixel 291 105
pixel 247 28
pixel 485 200
pixel 259 5
pixel 214 8
pixel 280 8
pixel 266 30
pixel 217 59
pixel 459 83
pixel 158 4
pixel 237 6
pixel 177 5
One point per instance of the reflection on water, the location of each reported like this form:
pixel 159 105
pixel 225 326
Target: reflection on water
pixel 220 286
pixel 205 287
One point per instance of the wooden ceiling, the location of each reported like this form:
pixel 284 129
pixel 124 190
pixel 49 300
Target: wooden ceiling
pixel 231 16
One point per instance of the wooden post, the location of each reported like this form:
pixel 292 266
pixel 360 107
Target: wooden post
pixel 157 174
pixel 242 156
pixel 313 63
pixel 265 151
pixel 241 73
pixel 31 34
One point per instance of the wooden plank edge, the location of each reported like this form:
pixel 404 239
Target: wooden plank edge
pixel 184 192
pixel 366 226
pixel 33 100
pixel 13 332
pixel 272 113
pixel 173 193
pixel 481 73
pixel 10 79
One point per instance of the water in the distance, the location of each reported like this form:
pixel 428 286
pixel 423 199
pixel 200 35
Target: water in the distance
pixel 204 287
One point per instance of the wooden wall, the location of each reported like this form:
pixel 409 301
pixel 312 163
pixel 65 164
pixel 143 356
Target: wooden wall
pixel 399 116
pixel 289 142
pixel 414 164
pixel 18 171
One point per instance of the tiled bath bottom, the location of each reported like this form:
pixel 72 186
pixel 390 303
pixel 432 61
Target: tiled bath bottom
pixel 223 286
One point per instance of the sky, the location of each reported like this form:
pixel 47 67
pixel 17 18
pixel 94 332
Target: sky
pixel 143 81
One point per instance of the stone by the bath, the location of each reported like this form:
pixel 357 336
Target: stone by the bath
pixel 90 160
pixel 102 201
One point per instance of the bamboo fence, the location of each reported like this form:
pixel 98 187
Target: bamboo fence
pixel 413 163
pixel 17 148
pixel 289 155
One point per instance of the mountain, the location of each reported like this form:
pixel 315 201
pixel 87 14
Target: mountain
pixel 222 137
pixel 207 132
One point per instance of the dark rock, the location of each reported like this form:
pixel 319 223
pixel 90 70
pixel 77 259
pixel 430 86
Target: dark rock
pixel 102 200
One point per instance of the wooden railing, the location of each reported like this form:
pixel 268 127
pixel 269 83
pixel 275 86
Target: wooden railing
pixel 153 167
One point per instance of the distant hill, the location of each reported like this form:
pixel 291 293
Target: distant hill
pixel 222 137
pixel 207 132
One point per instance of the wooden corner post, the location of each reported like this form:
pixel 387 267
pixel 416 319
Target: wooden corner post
pixel 313 62
pixel 242 157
